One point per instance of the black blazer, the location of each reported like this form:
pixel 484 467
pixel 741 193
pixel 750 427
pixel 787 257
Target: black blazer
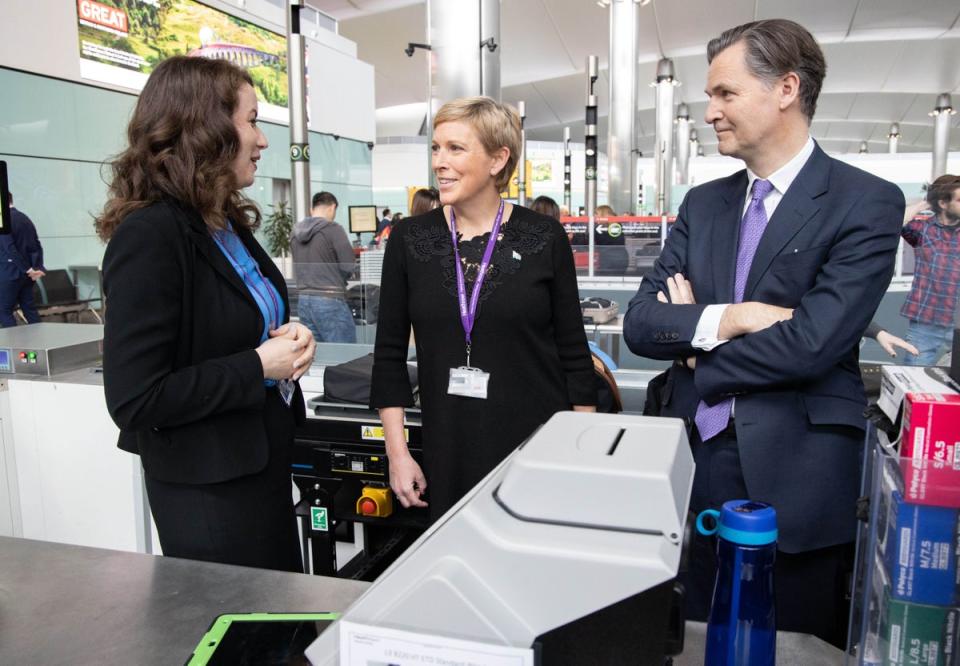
pixel 180 372
pixel 828 251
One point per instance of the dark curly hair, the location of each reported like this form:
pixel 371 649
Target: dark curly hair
pixel 942 189
pixel 181 144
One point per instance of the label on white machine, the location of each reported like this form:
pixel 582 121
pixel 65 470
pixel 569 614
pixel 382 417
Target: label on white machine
pixel 376 433
pixel 362 645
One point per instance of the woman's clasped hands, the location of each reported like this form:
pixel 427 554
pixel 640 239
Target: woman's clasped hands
pixel 288 353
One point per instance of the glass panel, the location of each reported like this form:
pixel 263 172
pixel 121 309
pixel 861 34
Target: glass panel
pixel 56 135
pixel 339 302
pixel 51 118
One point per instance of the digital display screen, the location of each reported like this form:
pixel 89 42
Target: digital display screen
pixel 5 365
pixel 267 643
pixel 363 219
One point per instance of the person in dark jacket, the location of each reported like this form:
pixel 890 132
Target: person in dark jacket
pixel 323 259
pixel 21 264
pixel 200 362
pixel 760 296
pixel 384 221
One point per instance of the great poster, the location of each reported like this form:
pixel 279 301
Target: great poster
pixel 121 41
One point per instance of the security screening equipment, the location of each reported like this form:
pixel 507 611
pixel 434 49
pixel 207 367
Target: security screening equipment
pixel 569 547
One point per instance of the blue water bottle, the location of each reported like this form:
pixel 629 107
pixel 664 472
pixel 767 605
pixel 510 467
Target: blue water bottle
pixel 742 628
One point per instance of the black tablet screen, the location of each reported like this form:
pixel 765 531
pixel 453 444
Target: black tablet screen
pixel 269 643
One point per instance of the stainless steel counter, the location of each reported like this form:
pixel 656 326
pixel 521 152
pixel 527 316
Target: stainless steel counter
pixel 64 604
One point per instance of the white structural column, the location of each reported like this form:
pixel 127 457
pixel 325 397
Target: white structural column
pixel 893 138
pixel 464 39
pixel 297 104
pixel 489 47
pixel 465 44
pixel 683 143
pixel 941 134
pixel 621 126
pixel 663 147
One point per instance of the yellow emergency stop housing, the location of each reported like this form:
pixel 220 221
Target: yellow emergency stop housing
pixel 375 501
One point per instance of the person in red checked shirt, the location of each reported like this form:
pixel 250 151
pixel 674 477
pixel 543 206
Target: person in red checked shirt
pixel 932 302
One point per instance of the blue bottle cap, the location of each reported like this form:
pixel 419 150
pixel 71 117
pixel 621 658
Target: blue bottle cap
pixel 742 522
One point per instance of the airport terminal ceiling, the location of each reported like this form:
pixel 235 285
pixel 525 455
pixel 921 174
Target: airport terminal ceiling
pixel 887 62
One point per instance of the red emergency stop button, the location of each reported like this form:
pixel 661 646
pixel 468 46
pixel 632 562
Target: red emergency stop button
pixel 375 501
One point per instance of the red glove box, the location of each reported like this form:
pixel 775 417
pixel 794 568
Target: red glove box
pixel 930 449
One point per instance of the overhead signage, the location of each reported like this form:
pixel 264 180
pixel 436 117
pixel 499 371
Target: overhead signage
pixel 103 17
pixel 122 41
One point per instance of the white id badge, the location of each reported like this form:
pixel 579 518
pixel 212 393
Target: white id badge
pixel 287 387
pixel 468 382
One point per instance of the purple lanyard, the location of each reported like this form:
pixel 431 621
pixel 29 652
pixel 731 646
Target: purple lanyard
pixel 468 315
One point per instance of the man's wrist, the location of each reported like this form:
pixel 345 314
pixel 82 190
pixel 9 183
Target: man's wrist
pixel 730 323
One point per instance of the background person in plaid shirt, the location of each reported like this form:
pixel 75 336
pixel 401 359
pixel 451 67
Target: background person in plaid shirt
pixel 932 301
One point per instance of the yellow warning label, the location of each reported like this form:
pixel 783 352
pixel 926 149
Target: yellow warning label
pixel 375 433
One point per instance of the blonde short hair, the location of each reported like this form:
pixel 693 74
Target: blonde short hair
pixel 497 126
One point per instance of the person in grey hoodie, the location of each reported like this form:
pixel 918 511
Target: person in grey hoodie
pixel 323 259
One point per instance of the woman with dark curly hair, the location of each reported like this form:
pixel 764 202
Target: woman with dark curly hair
pixel 200 362
pixel 491 292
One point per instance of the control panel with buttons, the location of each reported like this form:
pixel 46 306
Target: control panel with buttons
pixel 358 463
pixel 48 349
pixel 23 361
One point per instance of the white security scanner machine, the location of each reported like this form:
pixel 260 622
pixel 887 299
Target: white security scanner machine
pixel 569 546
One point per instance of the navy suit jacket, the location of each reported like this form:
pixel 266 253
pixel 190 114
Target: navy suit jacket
pixel 20 249
pixel 828 252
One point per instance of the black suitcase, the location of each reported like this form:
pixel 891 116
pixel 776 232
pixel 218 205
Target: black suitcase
pixel 350 381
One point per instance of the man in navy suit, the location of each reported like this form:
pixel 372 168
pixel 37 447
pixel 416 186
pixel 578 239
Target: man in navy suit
pixel 760 296
pixel 21 264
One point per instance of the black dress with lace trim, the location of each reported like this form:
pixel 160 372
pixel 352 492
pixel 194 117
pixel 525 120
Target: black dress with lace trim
pixel 528 335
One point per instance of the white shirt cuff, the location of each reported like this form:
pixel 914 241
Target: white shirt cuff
pixel 705 336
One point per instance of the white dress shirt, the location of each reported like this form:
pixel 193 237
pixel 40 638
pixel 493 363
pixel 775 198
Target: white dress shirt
pixel 708 326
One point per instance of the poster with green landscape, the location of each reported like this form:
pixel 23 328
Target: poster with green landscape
pixel 135 35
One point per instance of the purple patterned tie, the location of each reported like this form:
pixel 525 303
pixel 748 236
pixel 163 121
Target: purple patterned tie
pixel 712 420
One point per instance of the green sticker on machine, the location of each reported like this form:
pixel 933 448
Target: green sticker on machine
pixel 318 518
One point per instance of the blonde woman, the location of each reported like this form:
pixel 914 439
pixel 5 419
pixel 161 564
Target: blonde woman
pixel 491 292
